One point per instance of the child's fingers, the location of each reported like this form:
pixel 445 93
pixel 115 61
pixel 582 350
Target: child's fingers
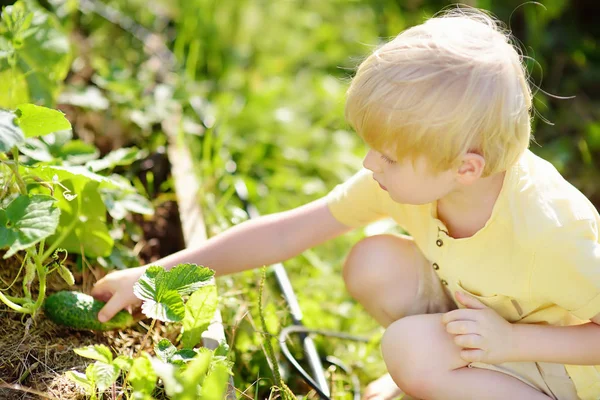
pixel 469 301
pixel 114 305
pixel 472 355
pixel 469 341
pixel 460 314
pixel 461 327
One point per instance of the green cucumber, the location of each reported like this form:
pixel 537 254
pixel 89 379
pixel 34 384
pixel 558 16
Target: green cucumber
pixel 80 311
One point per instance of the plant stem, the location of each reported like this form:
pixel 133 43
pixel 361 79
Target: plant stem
pixel 41 271
pixel 146 337
pixel 29 274
pixel 14 306
pixel 15 170
pixel 58 241
pixel 17 300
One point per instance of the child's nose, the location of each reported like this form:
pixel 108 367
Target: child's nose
pixel 371 161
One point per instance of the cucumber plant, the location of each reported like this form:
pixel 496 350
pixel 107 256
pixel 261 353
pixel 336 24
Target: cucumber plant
pixel 47 210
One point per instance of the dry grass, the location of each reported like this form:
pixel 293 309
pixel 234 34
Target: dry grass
pixel 34 355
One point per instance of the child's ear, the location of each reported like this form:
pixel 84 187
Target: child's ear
pixel 471 168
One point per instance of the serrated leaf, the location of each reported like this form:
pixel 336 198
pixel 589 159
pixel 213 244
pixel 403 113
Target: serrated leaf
pixel 26 221
pixel 161 290
pixel 187 278
pixel 10 133
pixel 142 376
pixel 105 375
pixel 199 313
pixel 39 121
pixel 97 352
pixel 168 307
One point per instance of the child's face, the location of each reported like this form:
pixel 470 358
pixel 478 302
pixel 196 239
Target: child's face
pixel 407 183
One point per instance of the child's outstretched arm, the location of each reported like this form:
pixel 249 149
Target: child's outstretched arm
pixel 263 241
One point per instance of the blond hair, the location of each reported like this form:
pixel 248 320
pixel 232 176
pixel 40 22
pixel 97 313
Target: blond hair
pixel 452 85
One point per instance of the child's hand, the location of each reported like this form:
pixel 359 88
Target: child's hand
pixel 116 289
pixel 480 331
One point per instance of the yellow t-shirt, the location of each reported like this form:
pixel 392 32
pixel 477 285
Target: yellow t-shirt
pixel 536 260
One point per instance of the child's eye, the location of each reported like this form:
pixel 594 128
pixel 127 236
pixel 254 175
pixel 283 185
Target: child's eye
pixel 387 160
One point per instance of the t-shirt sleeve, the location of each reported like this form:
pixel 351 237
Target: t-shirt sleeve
pixel 358 201
pixel 566 269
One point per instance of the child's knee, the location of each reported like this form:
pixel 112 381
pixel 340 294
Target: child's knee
pixel 417 351
pixel 406 356
pixel 370 261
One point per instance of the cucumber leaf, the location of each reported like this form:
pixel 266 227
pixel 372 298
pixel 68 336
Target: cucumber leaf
pixel 26 221
pixel 39 121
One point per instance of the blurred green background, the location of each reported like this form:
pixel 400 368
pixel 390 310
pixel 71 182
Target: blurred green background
pixel 257 90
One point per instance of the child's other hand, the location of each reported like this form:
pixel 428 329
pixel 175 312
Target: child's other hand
pixel 481 333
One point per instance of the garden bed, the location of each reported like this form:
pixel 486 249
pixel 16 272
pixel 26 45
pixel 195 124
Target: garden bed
pixel 34 356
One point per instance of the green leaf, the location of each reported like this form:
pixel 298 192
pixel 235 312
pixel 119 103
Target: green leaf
pixel 90 373
pixel 119 157
pixel 142 377
pixel 165 350
pixel 51 147
pixel 26 221
pixel 97 352
pixel 167 307
pixel 123 362
pixel 120 203
pixel 199 313
pixel 80 379
pixel 79 173
pixel 88 214
pixel 42 57
pixel 167 373
pixel 10 133
pixel 193 376
pixel 215 384
pixel 161 290
pixel 183 356
pixel 39 121
pixel 187 278
pixel 105 375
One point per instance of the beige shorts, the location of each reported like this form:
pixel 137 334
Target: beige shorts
pixel 551 379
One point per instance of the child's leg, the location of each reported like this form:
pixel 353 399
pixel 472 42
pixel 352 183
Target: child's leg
pixel 424 361
pixel 391 278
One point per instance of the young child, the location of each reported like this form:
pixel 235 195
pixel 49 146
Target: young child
pixel 496 294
